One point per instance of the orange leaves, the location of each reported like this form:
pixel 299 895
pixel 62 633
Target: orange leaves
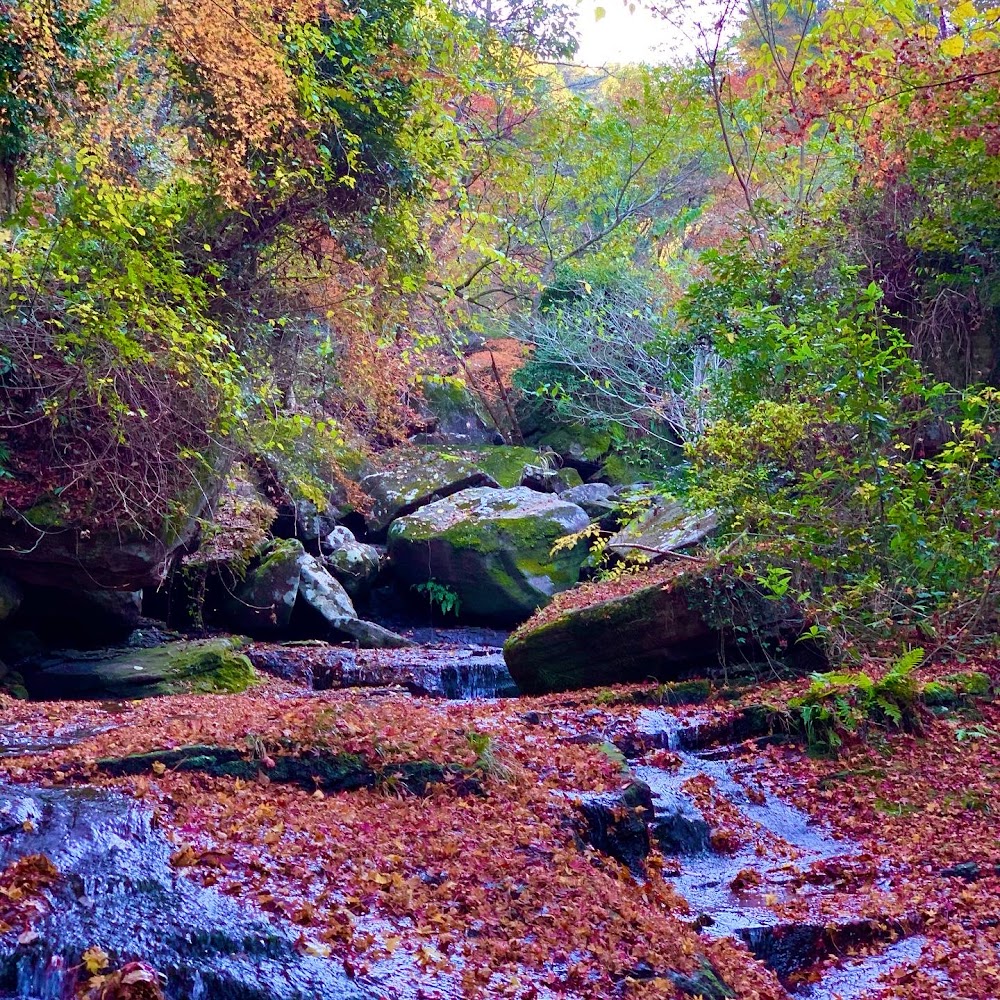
pixel 22 888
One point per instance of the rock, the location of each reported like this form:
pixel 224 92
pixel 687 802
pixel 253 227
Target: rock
pixel 303 520
pixel 108 849
pixel 659 631
pixel 665 527
pixel 205 667
pixel 618 471
pixel 451 415
pixel 969 871
pixel 11 596
pixel 315 768
pixel 289 590
pixel 45 547
pixel 416 478
pixel 680 828
pixel 616 823
pixel 597 499
pixel 355 564
pixel 412 477
pixel 262 603
pixel 324 595
pixel 704 984
pixel 546 480
pixel 371 635
pixel 492 548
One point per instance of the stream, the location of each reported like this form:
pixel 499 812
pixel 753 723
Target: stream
pixel 123 890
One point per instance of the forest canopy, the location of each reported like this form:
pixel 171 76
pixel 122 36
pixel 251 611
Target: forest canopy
pixel 767 272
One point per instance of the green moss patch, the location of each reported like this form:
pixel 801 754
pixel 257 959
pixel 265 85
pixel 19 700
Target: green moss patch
pixel 329 771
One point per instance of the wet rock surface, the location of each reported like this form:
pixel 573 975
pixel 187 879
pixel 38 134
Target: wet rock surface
pixel 453 663
pixel 204 666
pixel 119 890
pixel 736 880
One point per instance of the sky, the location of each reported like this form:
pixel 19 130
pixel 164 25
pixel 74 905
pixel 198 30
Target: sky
pixel 620 36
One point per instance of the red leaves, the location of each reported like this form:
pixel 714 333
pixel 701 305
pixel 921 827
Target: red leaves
pixel 22 888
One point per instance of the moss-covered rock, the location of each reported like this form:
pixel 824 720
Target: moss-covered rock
pixel 261 604
pixel 211 666
pixel 413 476
pixel 505 463
pixel 662 631
pixel 309 769
pixel 493 548
pixel 52 545
pixel 666 526
pixel 577 443
pixel 957 689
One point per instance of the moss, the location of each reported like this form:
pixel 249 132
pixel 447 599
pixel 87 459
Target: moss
pixel 618 472
pixel 48 514
pixel 579 441
pixel 233 675
pixel 570 478
pixel 279 552
pixel 692 692
pixel 505 463
pixel 329 770
pixel 956 689
pixel 974 683
pixel 207 667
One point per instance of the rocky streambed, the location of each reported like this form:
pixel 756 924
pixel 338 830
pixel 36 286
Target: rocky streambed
pixel 745 868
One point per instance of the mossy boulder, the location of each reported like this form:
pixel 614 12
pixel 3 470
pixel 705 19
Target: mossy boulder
pixel 577 443
pixel 288 591
pixel 53 545
pixel 662 631
pixel 413 476
pixel 666 526
pixel 493 548
pixel 211 666
pixel 262 602
pixel 505 463
pixel 355 564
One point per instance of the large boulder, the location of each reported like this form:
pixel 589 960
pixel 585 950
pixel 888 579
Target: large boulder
pixel 323 594
pixel 205 667
pixel 287 591
pixel 262 603
pixel 493 548
pixel 355 564
pixel 667 526
pixel 414 476
pixel 48 545
pixel 665 630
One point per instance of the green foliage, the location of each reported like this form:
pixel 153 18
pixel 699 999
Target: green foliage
pixel 604 356
pixel 841 704
pixel 834 452
pixel 440 595
pixel 484 747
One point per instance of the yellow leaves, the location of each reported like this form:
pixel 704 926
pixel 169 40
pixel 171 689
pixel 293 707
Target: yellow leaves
pixel 159 768
pixel 953 46
pixel 964 12
pixel 95 960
